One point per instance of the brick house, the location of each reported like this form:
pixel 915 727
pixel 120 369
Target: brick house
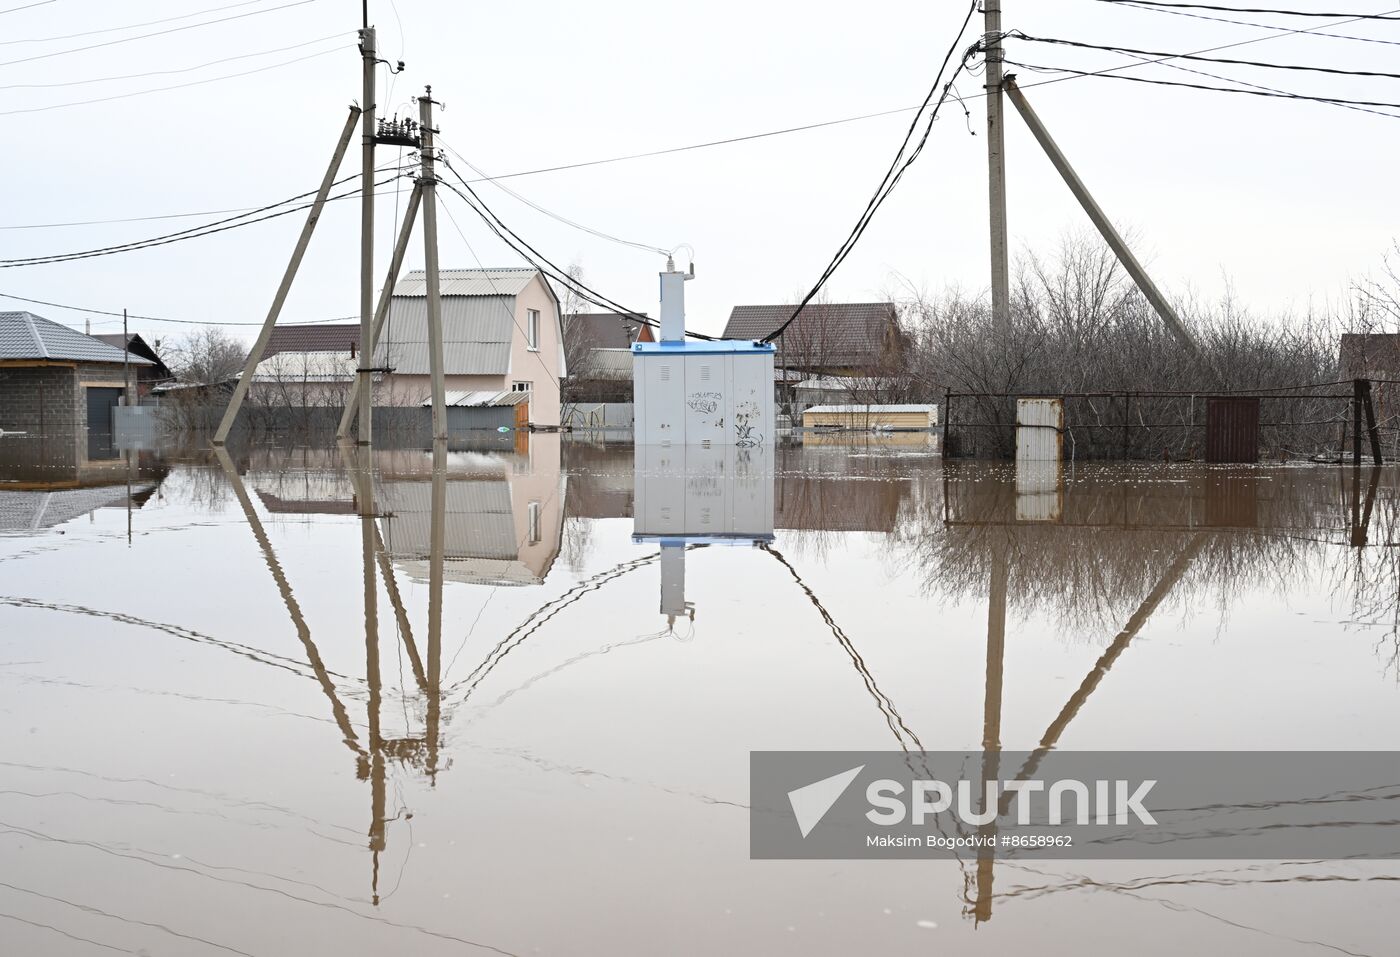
pixel 56 381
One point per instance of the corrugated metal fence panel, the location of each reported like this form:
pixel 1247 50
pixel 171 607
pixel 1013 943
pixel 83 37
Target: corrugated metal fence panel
pixel 1040 427
pixel 1232 429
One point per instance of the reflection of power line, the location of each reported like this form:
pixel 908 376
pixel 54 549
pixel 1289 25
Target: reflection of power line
pixel 539 616
pixel 882 701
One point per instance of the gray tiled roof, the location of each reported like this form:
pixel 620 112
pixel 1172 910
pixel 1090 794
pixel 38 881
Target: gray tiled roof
pixel 24 335
pixel 836 333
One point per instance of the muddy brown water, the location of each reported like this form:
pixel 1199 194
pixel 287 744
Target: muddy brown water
pixel 310 701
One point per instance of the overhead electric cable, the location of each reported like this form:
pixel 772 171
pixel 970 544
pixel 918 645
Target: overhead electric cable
pixel 38 3
pixel 130 26
pixel 894 173
pixel 186 69
pixel 175 86
pixel 183 322
pixel 1311 31
pixel 550 213
pixel 1270 10
pixel 158 33
pixel 1226 61
pixel 1216 89
pixel 196 232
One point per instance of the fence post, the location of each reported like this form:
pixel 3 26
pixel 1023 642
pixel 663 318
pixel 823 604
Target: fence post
pixel 1357 388
pixel 1127 405
pixel 1371 421
pixel 947 418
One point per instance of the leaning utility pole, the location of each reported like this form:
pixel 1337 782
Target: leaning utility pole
pixel 363 382
pixel 996 169
pixel 255 355
pixel 428 183
pixel 1101 222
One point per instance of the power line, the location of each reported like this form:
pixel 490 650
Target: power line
pixel 894 173
pixel 1270 10
pixel 1257 86
pixel 176 86
pixel 1271 26
pixel 187 69
pixel 40 3
pixel 553 215
pixel 540 262
pixel 158 33
pixel 131 26
pixel 194 232
pixel 1018 35
pixel 185 322
pixel 1216 89
pixel 524 335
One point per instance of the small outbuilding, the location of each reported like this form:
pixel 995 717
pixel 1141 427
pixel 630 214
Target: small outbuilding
pixel 56 381
pixel 897 418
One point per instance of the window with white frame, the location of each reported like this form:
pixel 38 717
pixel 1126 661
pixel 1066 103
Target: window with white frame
pixel 520 386
pixel 532 329
pixel 533 517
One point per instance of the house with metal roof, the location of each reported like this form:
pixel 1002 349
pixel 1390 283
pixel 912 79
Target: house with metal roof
pixel 58 382
pixel 341 337
pixel 147 376
pixel 501 332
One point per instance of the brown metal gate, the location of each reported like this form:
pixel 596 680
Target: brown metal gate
pixel 1232 429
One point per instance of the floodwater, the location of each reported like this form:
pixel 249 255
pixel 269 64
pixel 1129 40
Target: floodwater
pixel 340 702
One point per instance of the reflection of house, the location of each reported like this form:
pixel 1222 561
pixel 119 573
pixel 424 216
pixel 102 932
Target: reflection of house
pixel 503 514
pixel 146 376
pixel 58 381
pixel 501 332
pixel 44 487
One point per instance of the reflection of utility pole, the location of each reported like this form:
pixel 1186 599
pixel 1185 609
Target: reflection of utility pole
pixel 991 719
pixel 313 655
pixel 378 772
pixel 437 543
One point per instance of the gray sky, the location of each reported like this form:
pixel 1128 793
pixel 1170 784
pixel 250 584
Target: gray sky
pixel 1285 200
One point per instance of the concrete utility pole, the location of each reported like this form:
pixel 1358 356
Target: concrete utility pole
pixel 996 169
pixel 363 382
pixel 428 182
pixel 1101 222
pixel 126 362
pixel 235 402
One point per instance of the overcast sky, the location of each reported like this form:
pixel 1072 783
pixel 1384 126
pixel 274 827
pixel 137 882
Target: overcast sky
pixel 1286 200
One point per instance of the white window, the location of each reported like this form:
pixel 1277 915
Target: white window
pixel 532 329
pixel 520 386
pixel 533 513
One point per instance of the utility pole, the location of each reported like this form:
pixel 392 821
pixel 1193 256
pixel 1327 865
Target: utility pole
pixel 428 182
pixel 364 382
pixel 996 169
pixel 126 362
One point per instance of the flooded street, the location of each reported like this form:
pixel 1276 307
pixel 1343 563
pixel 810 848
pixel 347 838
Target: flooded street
pixel 502 700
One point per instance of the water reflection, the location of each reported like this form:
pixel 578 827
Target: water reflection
pixel 861 597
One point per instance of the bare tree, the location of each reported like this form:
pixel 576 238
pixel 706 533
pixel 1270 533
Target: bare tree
pixel 207 356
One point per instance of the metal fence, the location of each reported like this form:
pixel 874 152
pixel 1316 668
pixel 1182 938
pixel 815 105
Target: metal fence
pixel 1320 421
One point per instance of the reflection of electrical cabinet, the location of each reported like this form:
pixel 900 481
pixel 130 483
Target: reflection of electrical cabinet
pixel 703 393
pixel 686 495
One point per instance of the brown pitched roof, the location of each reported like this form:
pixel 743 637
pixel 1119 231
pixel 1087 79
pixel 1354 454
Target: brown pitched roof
pixel 321 337
pixel 1370 354
pixel 832 334
pixel 137 347
pixel 605 330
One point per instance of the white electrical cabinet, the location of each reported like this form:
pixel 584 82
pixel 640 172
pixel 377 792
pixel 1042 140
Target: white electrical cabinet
pixel 703 393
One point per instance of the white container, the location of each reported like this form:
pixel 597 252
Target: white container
pixel 703 393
